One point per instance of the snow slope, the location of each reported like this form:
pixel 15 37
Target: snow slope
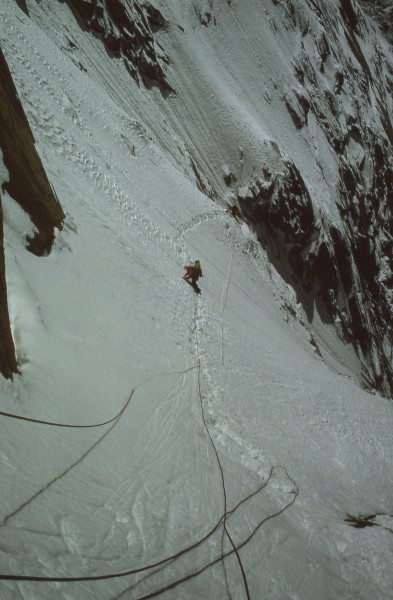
pixel 232 410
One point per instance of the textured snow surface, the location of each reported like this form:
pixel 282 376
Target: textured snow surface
pixel 232 371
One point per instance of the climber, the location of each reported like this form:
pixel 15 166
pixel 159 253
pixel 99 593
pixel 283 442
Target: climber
pixel 193 272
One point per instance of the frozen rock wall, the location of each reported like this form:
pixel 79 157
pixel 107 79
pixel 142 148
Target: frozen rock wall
pixel 127 30
pixel 27 183
pixel 342 269
pixel 382 11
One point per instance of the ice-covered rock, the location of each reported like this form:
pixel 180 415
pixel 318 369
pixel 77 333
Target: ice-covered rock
pixel 24 178
pixel 127 27
pixel 343 266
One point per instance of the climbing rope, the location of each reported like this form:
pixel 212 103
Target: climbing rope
pixel 223 556
pixel 222 521
pixel 68 425
pixel 225 303
pixel 225 529
pixel 183 551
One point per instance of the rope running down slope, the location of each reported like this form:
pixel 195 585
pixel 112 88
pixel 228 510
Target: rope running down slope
pixel 221 521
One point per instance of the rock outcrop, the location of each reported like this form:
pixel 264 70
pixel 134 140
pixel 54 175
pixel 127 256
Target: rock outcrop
pixel 343 273
pixel 127 29
pixel 342 269
pixel 382 11
pixel 28 185
pixel 22 4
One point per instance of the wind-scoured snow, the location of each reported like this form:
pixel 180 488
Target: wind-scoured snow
pixel 229 380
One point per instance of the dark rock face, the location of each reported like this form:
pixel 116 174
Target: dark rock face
pixel 382 12
pixel 29 186
pixel 23 6
pixel 8 362
pixel 343 273
pixel 343 270
pixel 348 12
pixel 127 28
pixel 367 217
pixel 282 203
pixel 28 183
pixel 277 205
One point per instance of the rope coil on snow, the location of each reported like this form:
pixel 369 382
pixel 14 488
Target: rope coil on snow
pixel 68 425
pixel 187 549
pixel 145 567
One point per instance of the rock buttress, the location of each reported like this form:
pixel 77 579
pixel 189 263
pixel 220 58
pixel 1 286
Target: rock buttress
pixel 8 363
pixel 29 186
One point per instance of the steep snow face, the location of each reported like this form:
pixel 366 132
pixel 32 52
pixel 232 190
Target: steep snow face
pixel 314 87
pixel 315 82
pixel 230 450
